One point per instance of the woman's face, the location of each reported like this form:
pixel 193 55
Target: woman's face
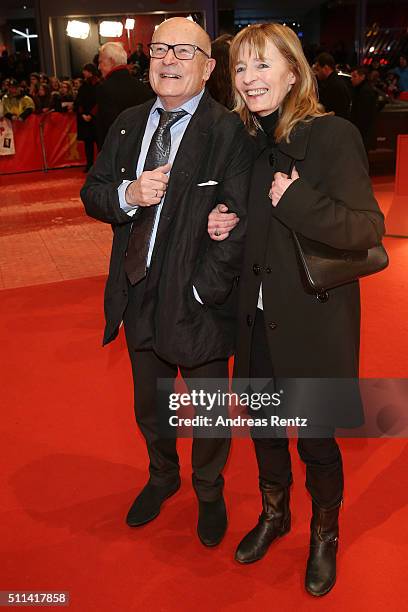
pixel 263 83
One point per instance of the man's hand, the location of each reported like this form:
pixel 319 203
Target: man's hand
pixel 149 188
pixel 280 184
pixel 221 222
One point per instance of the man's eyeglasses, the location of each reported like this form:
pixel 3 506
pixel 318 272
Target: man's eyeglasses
pixel 181 51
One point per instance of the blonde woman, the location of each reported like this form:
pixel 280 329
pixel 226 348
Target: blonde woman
pixel 309 175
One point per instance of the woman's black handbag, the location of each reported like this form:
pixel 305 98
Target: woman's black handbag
pixel 326 267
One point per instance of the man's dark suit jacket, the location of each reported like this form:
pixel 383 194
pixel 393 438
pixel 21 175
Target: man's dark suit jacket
pixel 364 112
pixel 116 93
pixel 215 147
pixel 335 95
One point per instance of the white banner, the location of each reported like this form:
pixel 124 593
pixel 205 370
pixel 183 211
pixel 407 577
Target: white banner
pixel 6 137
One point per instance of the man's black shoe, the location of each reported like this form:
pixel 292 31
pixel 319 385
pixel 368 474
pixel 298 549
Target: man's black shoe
pixel 147 504
pixel 212 521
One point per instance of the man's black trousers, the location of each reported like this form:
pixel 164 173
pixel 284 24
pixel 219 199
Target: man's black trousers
pixel 209 455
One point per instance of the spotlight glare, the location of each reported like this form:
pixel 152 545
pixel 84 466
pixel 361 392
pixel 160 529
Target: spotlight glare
pixel 111 29
pixel 78 29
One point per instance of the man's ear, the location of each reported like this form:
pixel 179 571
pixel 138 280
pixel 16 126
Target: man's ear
pixel 209 67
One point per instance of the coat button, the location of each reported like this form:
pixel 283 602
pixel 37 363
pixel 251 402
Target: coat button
pixel 123 131
pixel 249 320
pixel 256 269
pixel 268 270
pixel 272 159
pixel 123 169
pixel 272 325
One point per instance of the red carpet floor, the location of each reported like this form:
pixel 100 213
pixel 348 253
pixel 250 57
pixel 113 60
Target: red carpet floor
pixel 73 460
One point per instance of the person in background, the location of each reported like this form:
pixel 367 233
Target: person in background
pixel 54 85
pixel 391 86
pixel 334 94
pixel 76 84
pixel 4 86
pixel 374 78
pixel 219 84
pixel 17 106
pixel 33 89
pixel 65 101
pixel 310 176
pixel 85 108
pixel 139 58
pixel 43 100
pixel 25 89
pixel 401 72
pixel 35 78
pixel 364 105
pixel 118 91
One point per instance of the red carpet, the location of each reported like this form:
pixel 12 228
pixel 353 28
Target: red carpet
pixel 73 461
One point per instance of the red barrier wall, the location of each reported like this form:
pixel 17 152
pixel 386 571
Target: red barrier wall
pixel 60 142
pixel 61 147
pixel 28 155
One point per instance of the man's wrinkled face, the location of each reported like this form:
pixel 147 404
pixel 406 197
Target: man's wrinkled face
pixel 105 64
pixel 176 81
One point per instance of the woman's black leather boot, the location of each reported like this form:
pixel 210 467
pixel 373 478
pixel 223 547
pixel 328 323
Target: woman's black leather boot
pixel 273 523
pixel 321 564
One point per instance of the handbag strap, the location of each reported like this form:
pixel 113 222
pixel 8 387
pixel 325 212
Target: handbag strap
pixel 322 296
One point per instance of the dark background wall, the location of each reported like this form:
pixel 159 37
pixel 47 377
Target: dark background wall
pixel 323 23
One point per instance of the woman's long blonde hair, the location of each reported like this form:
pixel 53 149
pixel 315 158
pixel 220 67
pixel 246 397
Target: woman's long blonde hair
pixel 301 102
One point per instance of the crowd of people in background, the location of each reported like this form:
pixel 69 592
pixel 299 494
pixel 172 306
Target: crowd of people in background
pixel 108 84
pixel 23 91
pixel 114 80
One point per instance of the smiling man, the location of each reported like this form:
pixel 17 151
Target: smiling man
pixel 164 166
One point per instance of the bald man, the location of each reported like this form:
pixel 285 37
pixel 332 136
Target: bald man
pixel 163 168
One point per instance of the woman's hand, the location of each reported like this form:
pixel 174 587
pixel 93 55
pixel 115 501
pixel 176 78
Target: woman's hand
pixel 221 222
pixel 280 184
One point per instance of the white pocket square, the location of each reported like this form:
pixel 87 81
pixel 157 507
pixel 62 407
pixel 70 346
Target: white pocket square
pixel 207 183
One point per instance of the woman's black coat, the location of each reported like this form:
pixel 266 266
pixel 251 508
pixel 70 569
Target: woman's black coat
pixel 332 202
pixel 85 104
